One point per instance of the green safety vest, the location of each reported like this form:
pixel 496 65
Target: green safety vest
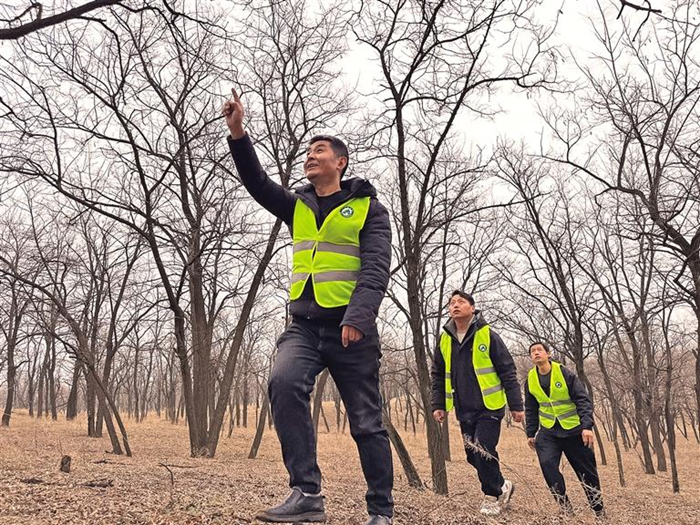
pixel 330 256
pixel 492 391
pixel 558 404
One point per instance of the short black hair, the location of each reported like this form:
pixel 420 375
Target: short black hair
pixel 535 343
pixel 338 147
pixel 463 295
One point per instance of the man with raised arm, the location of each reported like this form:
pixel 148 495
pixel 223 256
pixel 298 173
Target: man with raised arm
pixel 340 271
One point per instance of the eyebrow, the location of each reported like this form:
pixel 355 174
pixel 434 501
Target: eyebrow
pixel 315 146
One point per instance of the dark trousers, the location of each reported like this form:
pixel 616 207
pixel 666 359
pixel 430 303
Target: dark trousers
pixel 549 448
pixel 304 350
pixel 481 435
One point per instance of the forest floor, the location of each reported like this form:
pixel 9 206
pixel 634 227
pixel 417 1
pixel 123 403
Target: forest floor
pixel 230 489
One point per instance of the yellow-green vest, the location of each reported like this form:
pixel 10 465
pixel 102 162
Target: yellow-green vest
pixel 558 404
pixel 330 256
pixel 492 391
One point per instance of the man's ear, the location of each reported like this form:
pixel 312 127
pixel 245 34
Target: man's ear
pixel 343 163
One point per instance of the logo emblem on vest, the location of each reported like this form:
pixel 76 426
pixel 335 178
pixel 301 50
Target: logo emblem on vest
pixel 347 212
pixel 557 384
pixel 482 348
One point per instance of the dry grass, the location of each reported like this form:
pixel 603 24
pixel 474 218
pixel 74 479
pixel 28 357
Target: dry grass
pixel 231 488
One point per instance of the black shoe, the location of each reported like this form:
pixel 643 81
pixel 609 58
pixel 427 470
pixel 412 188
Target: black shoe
pixel 375 519
pixel 297 507
pixel 566 509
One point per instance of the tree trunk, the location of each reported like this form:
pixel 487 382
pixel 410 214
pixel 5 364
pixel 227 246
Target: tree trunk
pixel 72 405
pixel 135 380
pixel 618 455
pixel 31 386
pixel 436 450
pixel 51 377
pixel 589 387
pixel 338 409
pixel 11 376
pixel 669 415
pixel 403 454
pixel 260 429
pixel 658 443
pixel 201 356
pixel 230 368
pixel 650 396
pixel 40 394
pixel 318 397
pixel 446 439
pixel 246 399
pixel 91 398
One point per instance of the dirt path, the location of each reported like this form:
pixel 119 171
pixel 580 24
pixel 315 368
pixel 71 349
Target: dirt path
pixel 231 488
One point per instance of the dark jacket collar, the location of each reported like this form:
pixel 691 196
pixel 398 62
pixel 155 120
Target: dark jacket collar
pixel 355 186
pixel 477 322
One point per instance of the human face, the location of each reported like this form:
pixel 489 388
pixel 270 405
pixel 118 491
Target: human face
pixel 538 355
pixel 322 165
pixel 460 308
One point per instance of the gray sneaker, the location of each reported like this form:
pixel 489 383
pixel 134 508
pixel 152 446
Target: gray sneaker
pixel 507 492
pixel 490 506
pixel 375 519
pixel 297 507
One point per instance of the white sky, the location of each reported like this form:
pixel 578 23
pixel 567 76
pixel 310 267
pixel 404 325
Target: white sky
pixel 519 118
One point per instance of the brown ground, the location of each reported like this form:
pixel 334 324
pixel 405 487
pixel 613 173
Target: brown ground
pixel 230 488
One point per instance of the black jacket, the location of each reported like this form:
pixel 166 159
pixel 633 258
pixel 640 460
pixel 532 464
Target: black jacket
pixel 578 394
pixel 375 236
pixel 468 400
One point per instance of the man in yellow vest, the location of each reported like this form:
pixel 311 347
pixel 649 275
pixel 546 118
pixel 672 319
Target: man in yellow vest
pixel 340 271
pixel 559 419
pixel 474 373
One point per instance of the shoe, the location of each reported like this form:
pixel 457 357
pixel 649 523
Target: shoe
pixel 297 507
pixel 600 514
pixel 566 509
pixel 375 519
pixel 507 491
pixel 490 506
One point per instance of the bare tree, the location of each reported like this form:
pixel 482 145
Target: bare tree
pixel 644 96
pixel 14 308
pixel 435 59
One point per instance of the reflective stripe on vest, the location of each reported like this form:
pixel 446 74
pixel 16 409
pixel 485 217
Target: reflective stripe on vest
pixel 558 404
pixel 492 391
pixel 330 256
pixel 446 350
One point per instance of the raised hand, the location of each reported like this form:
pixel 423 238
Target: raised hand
pixel 233 111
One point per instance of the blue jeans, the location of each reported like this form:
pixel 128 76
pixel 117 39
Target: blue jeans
pixel 304 350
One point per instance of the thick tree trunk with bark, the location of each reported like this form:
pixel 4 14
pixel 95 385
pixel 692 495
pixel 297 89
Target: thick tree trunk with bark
pixel 72 405
pixel 11 378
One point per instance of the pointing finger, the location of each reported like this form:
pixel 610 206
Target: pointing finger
pixel 235 95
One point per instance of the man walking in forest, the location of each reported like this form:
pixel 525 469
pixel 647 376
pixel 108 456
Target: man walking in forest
pixel 559 418
pixel 474 373
pixel 340 272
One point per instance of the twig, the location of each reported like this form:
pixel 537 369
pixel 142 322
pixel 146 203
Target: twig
pixel 172 484
pixel 99 483
pixel 106 461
